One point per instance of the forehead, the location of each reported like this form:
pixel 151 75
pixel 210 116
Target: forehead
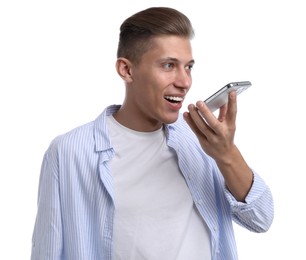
pixel 170 46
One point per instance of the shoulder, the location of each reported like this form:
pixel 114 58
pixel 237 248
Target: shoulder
pixel 89 137
pixel 73 140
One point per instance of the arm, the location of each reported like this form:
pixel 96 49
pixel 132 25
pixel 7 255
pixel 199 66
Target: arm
pixel 257 213
pixel 47 235
pixel 216 136
pixel 249 197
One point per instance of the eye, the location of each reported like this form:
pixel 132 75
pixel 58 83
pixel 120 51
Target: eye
pixel 168 66
pixel 189 67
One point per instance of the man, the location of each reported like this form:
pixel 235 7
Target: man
pixel 143 181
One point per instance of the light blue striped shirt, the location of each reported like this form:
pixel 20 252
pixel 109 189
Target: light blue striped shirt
pixel 75 198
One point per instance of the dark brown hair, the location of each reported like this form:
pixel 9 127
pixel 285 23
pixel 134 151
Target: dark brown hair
pixel 137 31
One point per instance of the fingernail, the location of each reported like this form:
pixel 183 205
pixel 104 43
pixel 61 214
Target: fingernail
pixel 200 104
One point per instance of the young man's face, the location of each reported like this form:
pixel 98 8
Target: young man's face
pixel 160 82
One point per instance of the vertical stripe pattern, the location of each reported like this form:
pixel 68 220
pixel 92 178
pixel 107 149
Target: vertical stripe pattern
pixel 75 199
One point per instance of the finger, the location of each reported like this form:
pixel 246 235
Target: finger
pixel 232 109
pixel 209 117
pixel 199 121
pixel 222 113
pixel 190 121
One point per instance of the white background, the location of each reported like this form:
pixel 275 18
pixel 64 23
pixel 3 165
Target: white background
pixel 57 71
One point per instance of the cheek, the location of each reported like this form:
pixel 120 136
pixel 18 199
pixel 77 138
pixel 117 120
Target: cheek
pixel 152 83
pixel 163 80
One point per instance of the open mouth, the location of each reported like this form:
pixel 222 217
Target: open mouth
pixel 173 99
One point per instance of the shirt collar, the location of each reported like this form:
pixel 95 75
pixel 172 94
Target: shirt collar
pixel 101 132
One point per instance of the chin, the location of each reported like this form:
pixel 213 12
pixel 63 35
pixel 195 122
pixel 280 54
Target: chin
pixel 171 119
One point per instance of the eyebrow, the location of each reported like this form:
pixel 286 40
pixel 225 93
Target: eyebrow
pixel 175 60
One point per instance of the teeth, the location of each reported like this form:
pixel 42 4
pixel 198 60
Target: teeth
pixel 178 99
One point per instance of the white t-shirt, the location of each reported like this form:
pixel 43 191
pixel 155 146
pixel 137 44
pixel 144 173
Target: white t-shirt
pixel 155 217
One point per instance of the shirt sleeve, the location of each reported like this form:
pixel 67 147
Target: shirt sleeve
pixel 47 234
pixel 257 212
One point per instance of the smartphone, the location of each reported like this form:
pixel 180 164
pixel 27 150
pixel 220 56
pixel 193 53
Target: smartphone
pixel 220 98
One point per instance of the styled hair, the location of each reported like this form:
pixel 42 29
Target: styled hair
pixel 137 31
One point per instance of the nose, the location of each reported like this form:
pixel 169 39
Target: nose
pixel 183 78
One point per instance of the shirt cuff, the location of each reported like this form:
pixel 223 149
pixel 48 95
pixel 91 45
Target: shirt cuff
pixel 257 189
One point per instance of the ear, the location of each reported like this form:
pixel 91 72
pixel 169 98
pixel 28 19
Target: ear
pixel 124 69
